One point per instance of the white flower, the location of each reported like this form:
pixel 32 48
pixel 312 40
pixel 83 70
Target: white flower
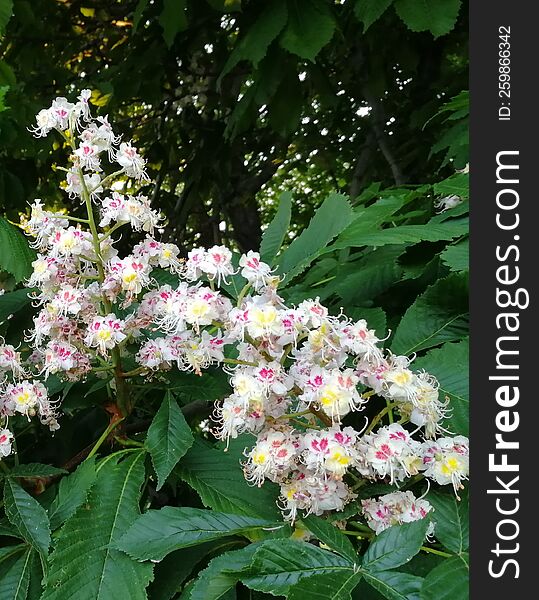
pixel 6 438
pixel 104 333
pixel 395 509
pixel 446 460
pixel 131 161
pixel 254 270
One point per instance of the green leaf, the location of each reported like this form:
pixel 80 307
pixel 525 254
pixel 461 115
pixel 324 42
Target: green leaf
pixel 437 16
pixel 395 546
pixel 310 27
pixel 333 586
pixel 28 517
pixel 273 236
pixel 15 575
pixel 451 517
pixel 8 530
pixel 36 578
pixel 6 10
pixel 173 19
pixel 457 257
pixel 439 315
pixel 211 386
pixel 16 256
pixel 395 585
pixel 370 276
pixel 217 477
pixel 30 470
pixel 84 564
pixel 331 536
pixel 4 89
pixel 137 15
pixel 175 568
pixel 369 218
pixel 72 492
pixel 449 364
pixel 158 532
pixel 222 574
pixel 255 43
pixel 279 564
pixel 369 11
pixel 457 185
pixel 330 219
pixel 169 437
pixel 7 553
pixel 448 581
pixel 405 234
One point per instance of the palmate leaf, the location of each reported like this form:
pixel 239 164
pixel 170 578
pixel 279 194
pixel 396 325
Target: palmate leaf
pixel 85 564
pixel 173 19
pixel 273 236
pixel 395 546
pixel 333 586
pixel 369 11
pixel 28 517
pixel 72 492
pixel 16 256
pixel 211 386
pixel 175 568
pixel 437 16
pixel 30 470
pixel 217 477
pixel 254 45
pixel 448 581
pixel 450 365
pixel 169 437
pixel 222 574
pixel 12 302
pixel 452 518
pixel 279 564
pixel 394 585
pixel 370 276
pixel 330 219
pixel 331 536
pixel 457 257
pixel 438 315
pixel 15 571
pixel 368 219
pixel 458 185
pixel 310 27
pixel 403 234
pixel 159 532
pixel 6 10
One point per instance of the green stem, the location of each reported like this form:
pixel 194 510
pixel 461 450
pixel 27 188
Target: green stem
pixel 360 527
pixel 306 425
pixel 106 180
pixel 389 406
pixel 104 436
pixel 128 442
pixel 293 415
pixel 242 293
pixel 437 552
pixel 134 372
pixel 380 416
pixel 70 218
pixel 121 389
pixel 355 534
pixel 235 361
pixel 110 231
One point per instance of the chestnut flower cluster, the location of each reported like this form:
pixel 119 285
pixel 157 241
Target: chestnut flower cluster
pixel 295 371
